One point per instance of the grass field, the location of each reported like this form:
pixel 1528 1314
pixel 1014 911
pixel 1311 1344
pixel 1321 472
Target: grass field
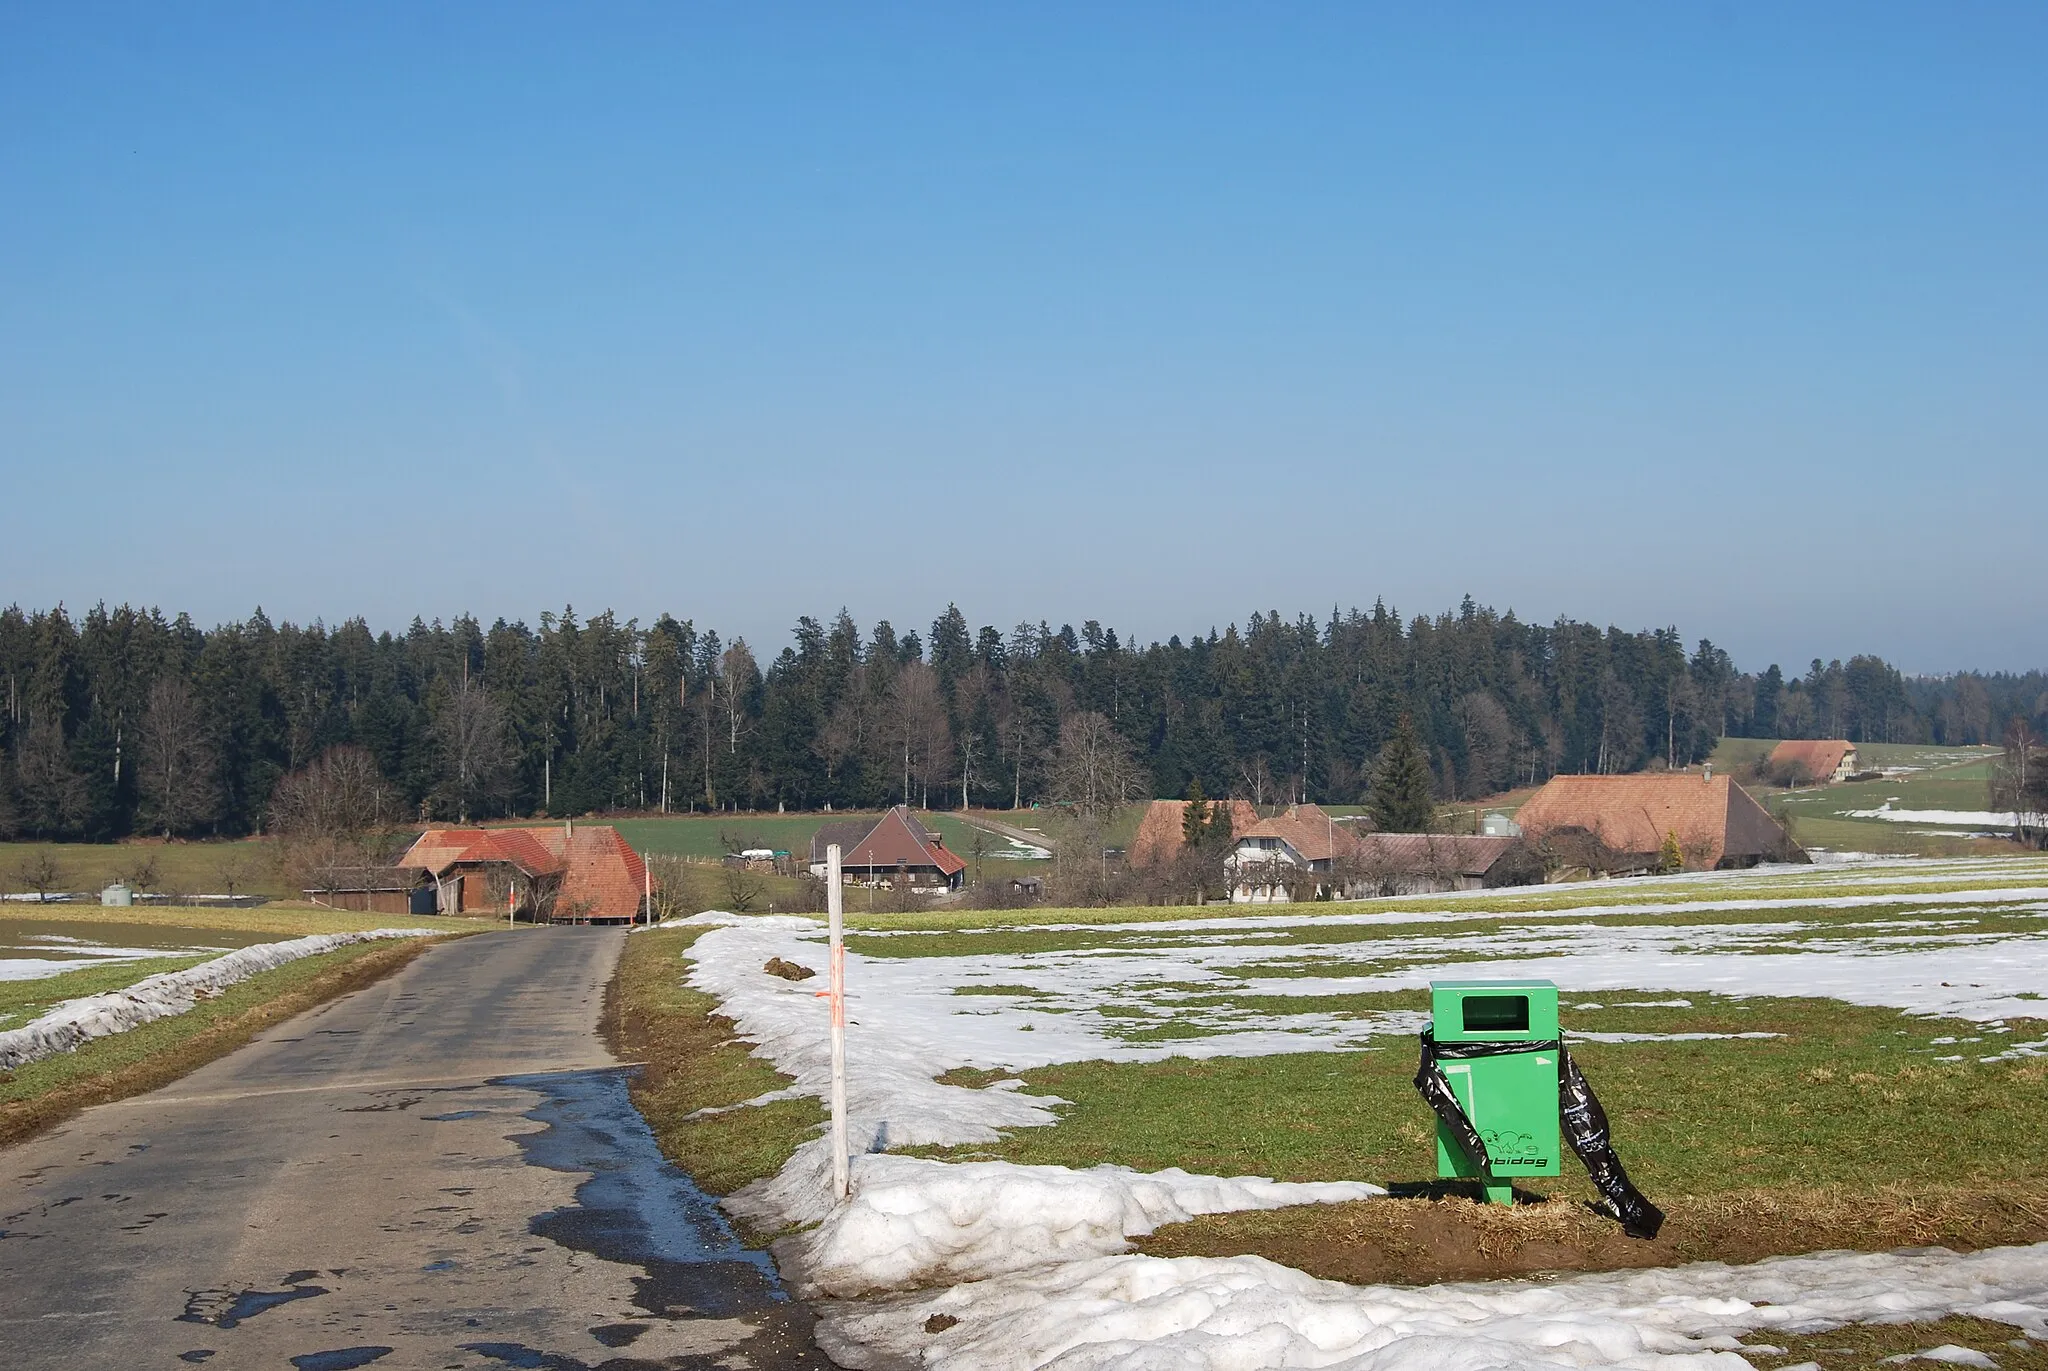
pixel 1793 1058
pixel 283 920
pixel 201 868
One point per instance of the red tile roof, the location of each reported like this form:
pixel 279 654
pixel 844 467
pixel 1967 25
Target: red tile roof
pixel 1711 816
pixel 600 871
pixel 1468 854
pixel 1306 828
pixel 1822 757
pixel 1159 832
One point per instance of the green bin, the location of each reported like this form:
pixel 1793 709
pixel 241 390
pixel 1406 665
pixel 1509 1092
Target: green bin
pixel 1512 1099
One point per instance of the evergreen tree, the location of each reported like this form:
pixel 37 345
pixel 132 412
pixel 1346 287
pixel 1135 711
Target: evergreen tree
pixel 1194 820
pixel 1669 857
pixel 1400 801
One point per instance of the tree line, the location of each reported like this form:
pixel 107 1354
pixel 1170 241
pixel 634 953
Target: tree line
pixel 126 721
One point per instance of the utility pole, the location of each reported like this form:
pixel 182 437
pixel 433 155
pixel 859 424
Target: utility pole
pixel 835 905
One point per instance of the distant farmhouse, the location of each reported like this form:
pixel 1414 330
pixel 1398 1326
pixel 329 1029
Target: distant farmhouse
pixel 1619 823
pixel 1161 832
pixel 550 874
pixel 1824 760
pixel 895 850
pixel 1305 853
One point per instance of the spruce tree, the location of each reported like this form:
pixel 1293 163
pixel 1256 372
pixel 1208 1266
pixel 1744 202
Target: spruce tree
pixel 1194 820
pixel 1669 857
pixel 1400 801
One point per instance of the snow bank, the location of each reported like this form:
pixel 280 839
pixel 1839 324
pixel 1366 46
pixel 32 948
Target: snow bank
pixel 912 1222
pixel 76 1022
pixel 891 1098
pixel 1239 1313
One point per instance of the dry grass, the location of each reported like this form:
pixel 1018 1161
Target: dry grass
pixel 693 1063
pixel 1415 1241
pixel 42 1094
pixel 285 920
pixel 1869 1345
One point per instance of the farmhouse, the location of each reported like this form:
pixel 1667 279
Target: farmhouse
pixel 895 850
pixel 1305 853
pixel 547 874
pixel 1823 760
pixel 1619 823
pixel 1160 831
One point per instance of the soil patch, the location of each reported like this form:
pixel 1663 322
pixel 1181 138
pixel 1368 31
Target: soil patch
pixel 1450 1237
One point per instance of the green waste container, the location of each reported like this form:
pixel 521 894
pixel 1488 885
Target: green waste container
pixel 1512 1099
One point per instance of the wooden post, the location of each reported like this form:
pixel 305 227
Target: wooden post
pixel 835 902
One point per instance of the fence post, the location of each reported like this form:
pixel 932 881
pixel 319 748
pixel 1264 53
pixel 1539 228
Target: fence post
pixel 836 992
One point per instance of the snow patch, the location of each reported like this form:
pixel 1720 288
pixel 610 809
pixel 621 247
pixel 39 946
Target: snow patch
pixel 912 1221
pixel 76 1022
pixel 1138 1313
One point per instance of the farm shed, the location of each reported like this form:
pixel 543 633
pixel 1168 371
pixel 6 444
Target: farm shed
pixel 1824 760
pixel 1619 823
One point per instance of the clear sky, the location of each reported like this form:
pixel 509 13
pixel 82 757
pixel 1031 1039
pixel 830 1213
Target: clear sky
pixel 1733 316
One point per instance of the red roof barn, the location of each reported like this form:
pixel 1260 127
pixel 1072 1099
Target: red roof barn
pixel 561 874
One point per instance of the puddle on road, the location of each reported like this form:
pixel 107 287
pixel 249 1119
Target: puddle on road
pixel 226 1308
pixel 637 1208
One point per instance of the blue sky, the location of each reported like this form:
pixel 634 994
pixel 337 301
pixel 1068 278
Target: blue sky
pixel 1730 316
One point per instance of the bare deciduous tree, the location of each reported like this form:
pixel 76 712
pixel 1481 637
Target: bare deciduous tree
pixel 919 732
pixel 1489 743
pixel 475 758
pixel 332 811
pixel 2019 784
pixel 39 872
pixel 178 766
pixel 1094 768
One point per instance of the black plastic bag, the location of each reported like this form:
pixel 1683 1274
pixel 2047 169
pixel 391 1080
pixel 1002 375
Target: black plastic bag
pixel 1579 1113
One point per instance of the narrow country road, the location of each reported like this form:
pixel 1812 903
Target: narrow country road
pixel 442 1170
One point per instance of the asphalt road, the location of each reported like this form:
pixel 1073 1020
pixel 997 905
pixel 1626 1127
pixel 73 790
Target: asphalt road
pixel 441 1170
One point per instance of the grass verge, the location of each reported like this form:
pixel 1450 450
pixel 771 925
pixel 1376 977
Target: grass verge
pixel 693 1062
pixel 42 1094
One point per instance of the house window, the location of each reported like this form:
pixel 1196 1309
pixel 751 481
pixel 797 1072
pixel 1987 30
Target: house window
pixel 1269 844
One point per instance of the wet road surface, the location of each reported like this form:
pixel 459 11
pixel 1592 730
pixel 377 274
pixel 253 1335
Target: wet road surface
pixel 442 1170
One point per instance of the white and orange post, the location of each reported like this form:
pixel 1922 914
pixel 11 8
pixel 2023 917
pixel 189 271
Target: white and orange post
pixel 836 994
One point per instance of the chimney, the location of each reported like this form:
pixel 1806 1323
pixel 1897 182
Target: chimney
pixel 1708 774
pixel 569 829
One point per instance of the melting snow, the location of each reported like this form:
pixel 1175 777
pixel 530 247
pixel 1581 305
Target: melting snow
pixel 1238 1313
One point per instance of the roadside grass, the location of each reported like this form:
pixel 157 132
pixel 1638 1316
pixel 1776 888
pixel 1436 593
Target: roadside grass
pixel 693 1062
pixel 284 920
pixel 190 867
pixel 41 1094
pixel 21 1001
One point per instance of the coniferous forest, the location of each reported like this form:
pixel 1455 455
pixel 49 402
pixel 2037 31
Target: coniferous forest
pixel 124 721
